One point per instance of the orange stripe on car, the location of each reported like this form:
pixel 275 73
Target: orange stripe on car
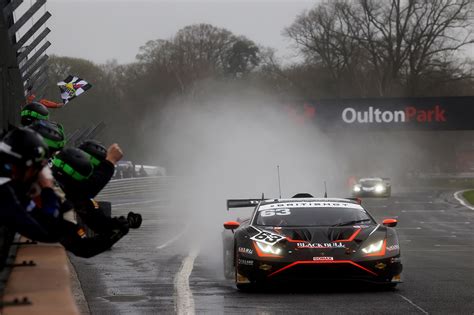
pixel 351 238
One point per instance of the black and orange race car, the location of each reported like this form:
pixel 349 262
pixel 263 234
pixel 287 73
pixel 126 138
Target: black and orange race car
pixel 305 238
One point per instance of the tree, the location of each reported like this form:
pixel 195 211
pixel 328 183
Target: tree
pixel 396 43
pixel 199 52
pixel 242 57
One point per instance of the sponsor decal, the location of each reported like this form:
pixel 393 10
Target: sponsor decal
pixel 320 245
pixel 244 250
pixel 393 247
pixel 380 266
pixel 309 204
pixel 265 267
pixel 323 258
pixel 245 262
pixel 408 114
pixel 360 226
pixel 267 237
pixel 395 260
pixel 81 232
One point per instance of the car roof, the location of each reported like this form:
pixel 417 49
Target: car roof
pixel 370 178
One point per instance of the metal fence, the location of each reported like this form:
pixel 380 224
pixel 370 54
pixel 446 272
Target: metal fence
pixel 22 55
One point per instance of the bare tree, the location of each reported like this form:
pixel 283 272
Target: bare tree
pixel 395 44
pixel 325 36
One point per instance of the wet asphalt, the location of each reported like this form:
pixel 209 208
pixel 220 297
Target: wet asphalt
pixel 138 275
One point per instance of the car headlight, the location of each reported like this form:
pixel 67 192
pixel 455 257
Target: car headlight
pixel 373 248
pixel 268 249
pixel 379 188
pixel 356 188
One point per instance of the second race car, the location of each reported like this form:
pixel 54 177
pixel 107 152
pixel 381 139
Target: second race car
pixel 310 239
pixel 372 187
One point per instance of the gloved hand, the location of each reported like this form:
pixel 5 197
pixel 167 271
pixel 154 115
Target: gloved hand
pixel 122 224
pixel 134 220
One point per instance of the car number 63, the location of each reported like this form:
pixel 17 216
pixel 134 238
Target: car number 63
pixel 270 213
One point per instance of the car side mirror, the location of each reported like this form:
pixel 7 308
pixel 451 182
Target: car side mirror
pixel 231 225
pixel 390 222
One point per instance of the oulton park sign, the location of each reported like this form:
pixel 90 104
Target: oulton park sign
pixel 430 113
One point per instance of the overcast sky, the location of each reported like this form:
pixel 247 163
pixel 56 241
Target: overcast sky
pixel 103 30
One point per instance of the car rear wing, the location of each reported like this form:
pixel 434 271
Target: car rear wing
pixel 242 203
pixel 356 199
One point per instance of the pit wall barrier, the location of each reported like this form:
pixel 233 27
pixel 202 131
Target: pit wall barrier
pixel 39 279
pixel 39 282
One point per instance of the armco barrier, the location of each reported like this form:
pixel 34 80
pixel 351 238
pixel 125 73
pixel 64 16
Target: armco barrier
pixel 140 185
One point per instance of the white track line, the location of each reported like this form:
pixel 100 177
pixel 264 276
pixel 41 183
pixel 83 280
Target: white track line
pixel 450 245
pixel 412 303
pixel 458 196
pixel 183 296
pixel 174 238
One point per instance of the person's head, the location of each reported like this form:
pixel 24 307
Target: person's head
pixel 52 133
pixel 96 151
pixel 23 154
pixel 72 168
pixel 33 112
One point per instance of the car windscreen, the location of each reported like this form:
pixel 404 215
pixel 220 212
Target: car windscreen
pixel 370 182
pixel 311 216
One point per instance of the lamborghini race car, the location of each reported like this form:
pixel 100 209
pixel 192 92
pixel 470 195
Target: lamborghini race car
pixel 310 239
pixel 372 187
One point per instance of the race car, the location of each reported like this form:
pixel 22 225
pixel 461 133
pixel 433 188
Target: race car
pixel 372 187
pixel 310 239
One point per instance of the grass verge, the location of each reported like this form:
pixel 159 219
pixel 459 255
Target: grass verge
pixel 469 196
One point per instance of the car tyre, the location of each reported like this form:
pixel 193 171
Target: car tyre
pixel 389 286
pixel 245 287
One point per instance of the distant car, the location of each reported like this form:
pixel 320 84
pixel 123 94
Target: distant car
pixel 372 187
pixel 310 239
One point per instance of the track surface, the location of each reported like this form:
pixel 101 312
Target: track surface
pixel 147 272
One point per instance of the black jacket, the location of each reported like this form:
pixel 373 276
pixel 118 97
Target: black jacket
pixel 16 210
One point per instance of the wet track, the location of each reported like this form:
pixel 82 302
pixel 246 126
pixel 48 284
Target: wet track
pixel 147 272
